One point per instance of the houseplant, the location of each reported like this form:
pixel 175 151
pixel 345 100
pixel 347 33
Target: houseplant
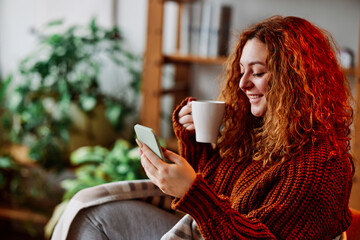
pixel 61 74
pixel 7 166
pixel 58 82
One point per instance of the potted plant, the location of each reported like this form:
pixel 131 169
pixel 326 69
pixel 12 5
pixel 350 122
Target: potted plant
pixel 55 95
pixel 60 79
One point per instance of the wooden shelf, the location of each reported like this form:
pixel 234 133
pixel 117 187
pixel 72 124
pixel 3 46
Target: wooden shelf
pixel 178 58
pixel 180 1
pixel 349 71
pixel 24 215
pixel 179 87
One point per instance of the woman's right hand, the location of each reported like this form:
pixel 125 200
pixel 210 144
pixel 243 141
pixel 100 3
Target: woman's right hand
pixel 185 116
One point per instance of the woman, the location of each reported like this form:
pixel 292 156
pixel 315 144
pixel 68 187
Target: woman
pixel 281 168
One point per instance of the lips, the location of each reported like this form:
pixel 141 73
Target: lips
pixel 255 98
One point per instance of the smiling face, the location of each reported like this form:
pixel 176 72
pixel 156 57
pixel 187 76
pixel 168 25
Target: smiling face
pixel 254 75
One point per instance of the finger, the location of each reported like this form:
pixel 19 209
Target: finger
pixel 173 157
pixel 152 157
pixel 186 119
pixel 191 99
pixel 190 127
pixel 139 143
pixel 147 164
pixel 149 173
pixel 187 109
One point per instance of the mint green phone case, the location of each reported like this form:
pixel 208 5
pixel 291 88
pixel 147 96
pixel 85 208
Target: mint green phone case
pixel 146 135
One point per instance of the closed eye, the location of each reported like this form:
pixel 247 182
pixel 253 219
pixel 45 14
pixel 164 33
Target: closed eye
pixel 258 74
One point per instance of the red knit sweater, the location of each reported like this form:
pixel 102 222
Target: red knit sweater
pixel 303 198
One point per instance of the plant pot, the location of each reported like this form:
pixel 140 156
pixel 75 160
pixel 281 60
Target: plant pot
pixel 20 153
pixel 90 129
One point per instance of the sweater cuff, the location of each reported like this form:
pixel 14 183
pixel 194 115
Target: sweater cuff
pixel 213 213
pixel 198 199
pixel 182 133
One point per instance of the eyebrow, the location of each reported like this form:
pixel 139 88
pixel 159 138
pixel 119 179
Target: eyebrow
pixel 254 63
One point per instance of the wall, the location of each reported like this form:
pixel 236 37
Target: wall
pixel 19 17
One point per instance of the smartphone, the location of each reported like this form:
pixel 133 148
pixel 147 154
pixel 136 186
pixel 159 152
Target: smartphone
pixel 147 136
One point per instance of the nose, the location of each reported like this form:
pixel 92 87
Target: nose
pixel 245 82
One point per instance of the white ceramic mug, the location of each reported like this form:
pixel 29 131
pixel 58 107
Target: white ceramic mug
pixel 207 117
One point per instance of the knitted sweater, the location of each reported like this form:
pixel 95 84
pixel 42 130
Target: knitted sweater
pixel 302 198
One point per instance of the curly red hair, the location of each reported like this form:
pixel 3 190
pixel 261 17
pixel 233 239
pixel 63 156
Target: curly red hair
pixel 308 96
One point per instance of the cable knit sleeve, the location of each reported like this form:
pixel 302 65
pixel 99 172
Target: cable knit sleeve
pixel 215 216
pixel 192 151
pixel 303 198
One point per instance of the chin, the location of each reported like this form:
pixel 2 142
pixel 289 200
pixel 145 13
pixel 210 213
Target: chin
pixel 258 112
pixel 258 115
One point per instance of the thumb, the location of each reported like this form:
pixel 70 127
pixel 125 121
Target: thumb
pixel 173 157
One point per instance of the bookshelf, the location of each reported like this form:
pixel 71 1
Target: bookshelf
pixel 155 59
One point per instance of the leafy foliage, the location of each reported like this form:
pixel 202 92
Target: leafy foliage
pixel 97 165
pixel 63 71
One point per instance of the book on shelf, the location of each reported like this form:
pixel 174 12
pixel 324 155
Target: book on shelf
pixel 214 30
pixel 169 27
pixel 224 30
pixel 195 24
pixel 205 29
pixel 185 29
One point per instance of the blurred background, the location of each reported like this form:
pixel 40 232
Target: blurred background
pixel 74 77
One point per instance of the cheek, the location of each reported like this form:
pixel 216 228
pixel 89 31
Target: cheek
pixel 263 86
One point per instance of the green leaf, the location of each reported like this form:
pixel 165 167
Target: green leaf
pixel 4 86
pixel 133 154
pixel 64 134
pixel 35 151
pixel 14 102
pixel 113 113
pixel 41 68
pixel 87 102
pixel 55 23
pixel 7 163
pixel 88 154
pixel 130 176
pixel 122 169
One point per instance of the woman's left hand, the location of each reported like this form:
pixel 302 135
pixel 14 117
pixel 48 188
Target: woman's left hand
pixel 173 179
